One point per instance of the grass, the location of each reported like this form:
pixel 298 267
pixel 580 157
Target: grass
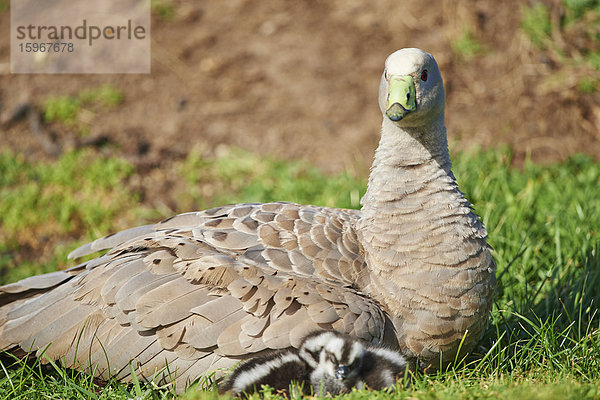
pixel 536 24
pixel 163 9
pixel 78 111
pixel 36 380
pixel 571 40
pixel 543 221
pixel 76 196
pixel 467 46
pixel 239 176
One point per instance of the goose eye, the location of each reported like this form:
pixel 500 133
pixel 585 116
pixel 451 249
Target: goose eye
pixel 424 75
pixel 387 76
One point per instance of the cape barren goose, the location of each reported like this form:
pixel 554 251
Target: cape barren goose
pixel 328 362
pixel 201 291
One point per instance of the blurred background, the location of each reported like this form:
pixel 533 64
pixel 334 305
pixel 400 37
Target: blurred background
pixel 294 80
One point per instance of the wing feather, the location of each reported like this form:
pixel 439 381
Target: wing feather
pixel 199 290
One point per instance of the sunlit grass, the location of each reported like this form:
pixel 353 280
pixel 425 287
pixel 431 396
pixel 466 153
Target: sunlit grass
pixel 78 111
pixel 240 176
pixel 79 195
pixel 543 222
pixel 467 46
pixel 568 35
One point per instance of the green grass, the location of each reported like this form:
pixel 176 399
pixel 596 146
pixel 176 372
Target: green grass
pixel 78 111
pixel 587 85
pixel 37 380
pixel 79 195
pixel 239 176
pixel 571 41
pixel 163 9
pixel 467 46
pixel 536 24
pixel 543 221
pixel 577 9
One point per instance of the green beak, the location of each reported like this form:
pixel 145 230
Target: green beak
pixel 401 97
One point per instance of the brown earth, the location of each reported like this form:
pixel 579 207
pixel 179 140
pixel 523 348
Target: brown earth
pixel 299 79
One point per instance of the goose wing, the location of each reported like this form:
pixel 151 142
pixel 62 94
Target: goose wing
pixel 198 291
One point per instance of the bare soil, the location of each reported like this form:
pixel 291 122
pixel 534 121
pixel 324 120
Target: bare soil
pixel 299 79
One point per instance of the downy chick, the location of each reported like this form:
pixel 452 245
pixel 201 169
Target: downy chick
pixel 340 362
pixel 278 369
pixel 328 361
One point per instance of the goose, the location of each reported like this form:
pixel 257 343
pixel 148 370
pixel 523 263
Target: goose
pixel 279 370
pixel 201 291
pixel 327 362
pixel 338 363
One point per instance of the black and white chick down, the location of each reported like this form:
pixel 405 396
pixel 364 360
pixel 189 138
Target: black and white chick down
pixel 278 369
pixel 327 362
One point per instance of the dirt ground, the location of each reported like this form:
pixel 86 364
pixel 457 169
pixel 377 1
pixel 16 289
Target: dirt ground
pixel 299 79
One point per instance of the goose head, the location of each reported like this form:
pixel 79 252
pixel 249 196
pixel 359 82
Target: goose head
pixel 411 92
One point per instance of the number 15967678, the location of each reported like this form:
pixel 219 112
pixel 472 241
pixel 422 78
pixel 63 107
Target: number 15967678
pixel 48 47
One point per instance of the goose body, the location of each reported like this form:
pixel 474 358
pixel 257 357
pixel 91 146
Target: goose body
pixel 327 362
pixel 201 291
